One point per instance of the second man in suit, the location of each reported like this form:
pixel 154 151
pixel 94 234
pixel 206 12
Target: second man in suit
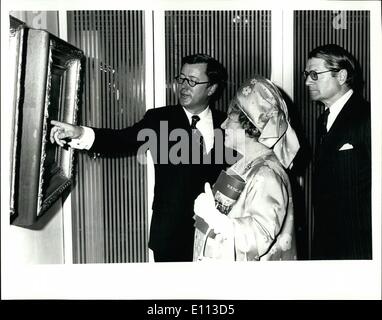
pixel 342 171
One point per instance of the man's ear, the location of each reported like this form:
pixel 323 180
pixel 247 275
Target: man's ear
pixel 342 76
pixel 212 89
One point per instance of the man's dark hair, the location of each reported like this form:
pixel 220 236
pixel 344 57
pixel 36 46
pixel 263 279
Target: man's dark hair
pixel 216 72
pixel 336 57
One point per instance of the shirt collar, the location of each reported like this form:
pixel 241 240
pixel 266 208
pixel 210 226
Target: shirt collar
pixel 337 106
pixel 202 115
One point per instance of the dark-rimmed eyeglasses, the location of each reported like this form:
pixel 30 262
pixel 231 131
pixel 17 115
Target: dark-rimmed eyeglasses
pixel 191 83
pixel 314 74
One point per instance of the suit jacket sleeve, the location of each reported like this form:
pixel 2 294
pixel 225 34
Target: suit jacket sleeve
pixel 117 141
pixel 367 132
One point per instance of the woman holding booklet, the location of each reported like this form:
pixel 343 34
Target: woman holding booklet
pixel 257 220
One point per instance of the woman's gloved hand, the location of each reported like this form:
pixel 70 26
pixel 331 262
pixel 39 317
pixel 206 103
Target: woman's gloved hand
pixel 204 207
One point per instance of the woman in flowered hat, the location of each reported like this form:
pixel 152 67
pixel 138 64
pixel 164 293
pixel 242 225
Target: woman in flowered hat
pixel 259 225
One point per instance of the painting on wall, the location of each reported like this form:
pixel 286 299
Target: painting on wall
pixel 46 73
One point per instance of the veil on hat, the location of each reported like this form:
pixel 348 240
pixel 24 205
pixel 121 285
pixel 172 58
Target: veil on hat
pixel 261 101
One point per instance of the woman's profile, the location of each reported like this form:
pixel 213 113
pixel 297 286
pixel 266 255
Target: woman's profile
pixel 259 224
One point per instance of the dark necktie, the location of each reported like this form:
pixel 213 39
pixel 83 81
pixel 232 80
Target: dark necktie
pixel 325 120
pixel 324 131
pixel 197 135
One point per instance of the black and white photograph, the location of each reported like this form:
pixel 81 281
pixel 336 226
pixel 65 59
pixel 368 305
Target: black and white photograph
pixel 206 150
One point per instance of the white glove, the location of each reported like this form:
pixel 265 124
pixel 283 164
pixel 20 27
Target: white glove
pixel 204 207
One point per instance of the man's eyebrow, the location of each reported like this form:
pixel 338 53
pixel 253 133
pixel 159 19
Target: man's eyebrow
pixel 191 77
pixel 312 69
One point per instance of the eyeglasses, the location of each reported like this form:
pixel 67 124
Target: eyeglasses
pixel 191 83
pixel 314 75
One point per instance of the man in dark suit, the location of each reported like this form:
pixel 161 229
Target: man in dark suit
pixel 342 175
pixel 179 175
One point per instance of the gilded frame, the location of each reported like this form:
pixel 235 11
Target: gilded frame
pixel 47 77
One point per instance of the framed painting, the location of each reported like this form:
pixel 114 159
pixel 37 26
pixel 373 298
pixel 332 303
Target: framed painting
pixel 47 77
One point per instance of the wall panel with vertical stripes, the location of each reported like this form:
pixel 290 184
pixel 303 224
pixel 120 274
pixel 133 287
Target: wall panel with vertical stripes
pixel 349 29
pixel 241 40
pixel 110 196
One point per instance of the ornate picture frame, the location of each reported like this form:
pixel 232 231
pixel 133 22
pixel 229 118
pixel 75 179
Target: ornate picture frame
pixel 47 77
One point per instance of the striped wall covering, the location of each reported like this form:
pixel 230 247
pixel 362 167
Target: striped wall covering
pixel 109 198
pixel 241 40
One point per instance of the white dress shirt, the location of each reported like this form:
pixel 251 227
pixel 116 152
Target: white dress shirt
pixel 85 141
pixel 336 108
pixel 205 126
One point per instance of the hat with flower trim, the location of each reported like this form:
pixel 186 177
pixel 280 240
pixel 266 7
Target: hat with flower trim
pixel 261 101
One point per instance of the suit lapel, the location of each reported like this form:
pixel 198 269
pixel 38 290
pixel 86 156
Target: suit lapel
pixel 217 119
pixel 179 118
pixel 334 138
